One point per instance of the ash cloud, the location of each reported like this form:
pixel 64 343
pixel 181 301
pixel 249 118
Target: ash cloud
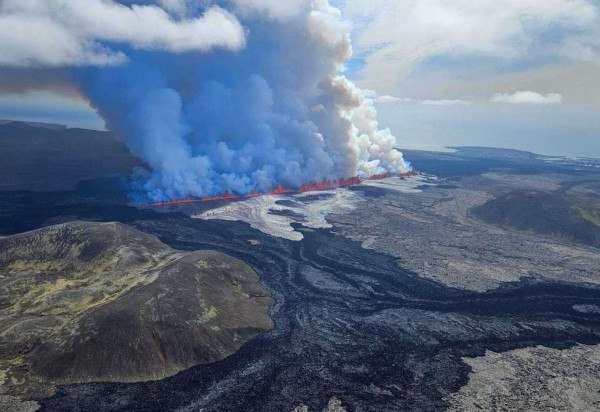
pixel 237 114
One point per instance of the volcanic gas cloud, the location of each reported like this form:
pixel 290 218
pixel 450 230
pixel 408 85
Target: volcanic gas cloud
pixel 281 190
pixel 224 96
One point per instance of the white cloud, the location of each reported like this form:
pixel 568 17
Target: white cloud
pixel 67 32
pixel 527 97
pixel 393 36
pixel 369 94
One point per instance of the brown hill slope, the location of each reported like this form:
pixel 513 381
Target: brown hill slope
pixel 83 302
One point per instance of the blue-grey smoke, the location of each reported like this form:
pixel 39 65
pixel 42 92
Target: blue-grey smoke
pixel 276 111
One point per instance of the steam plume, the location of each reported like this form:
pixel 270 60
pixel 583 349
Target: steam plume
pixel 237 115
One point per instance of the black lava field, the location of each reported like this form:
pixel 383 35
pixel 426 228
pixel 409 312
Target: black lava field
pixel 349 323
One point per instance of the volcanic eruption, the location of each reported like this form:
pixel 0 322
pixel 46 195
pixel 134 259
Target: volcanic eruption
pixel 280 190
pixel 222 98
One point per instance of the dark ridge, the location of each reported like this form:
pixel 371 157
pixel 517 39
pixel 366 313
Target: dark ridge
pixel 470 161
pixel 53 159
pixel 19 123
pixel 540 212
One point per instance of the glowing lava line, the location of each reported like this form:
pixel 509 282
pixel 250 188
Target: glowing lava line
pixel 280 190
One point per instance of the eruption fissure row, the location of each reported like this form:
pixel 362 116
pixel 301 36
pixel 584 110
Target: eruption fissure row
pixel 280 190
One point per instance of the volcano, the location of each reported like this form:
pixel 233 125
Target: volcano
pixel 281 189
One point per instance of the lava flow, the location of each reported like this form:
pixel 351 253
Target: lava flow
pixel 280 190
pixel 383 176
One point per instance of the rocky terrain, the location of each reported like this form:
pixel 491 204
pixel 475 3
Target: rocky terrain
pixel 435 234
pixel 84 302
pixel 379 323
pixel 334 405
pixel 276 215
pixel 532 379
pixel 540 212
pixel 350 323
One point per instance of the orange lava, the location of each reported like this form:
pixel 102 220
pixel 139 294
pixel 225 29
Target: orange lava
pixel 329 184
pixel 280 190
pixel 184 201
pixel 253 194
pixel 224 196
pixel 381 176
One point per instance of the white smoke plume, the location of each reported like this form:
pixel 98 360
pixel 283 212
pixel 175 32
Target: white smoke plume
pixel 75 32
pixel 210 111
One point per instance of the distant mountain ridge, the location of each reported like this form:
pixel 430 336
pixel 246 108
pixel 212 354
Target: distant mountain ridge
pixel 54 126
pixel 45 158
pixel 541 212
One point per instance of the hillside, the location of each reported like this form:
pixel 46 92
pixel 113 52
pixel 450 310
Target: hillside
pixel 540 212
pixel 83 302
pixel 38 158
